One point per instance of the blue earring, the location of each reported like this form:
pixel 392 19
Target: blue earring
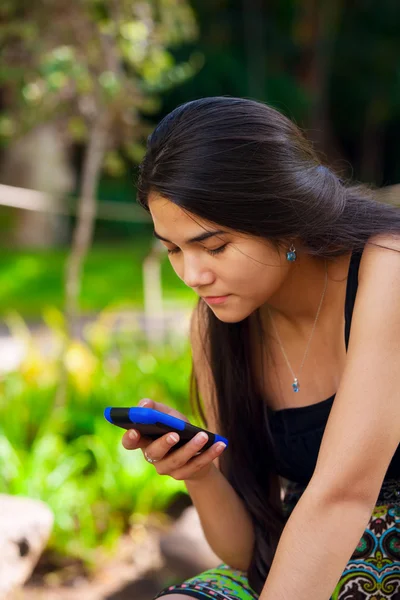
pixel 291 255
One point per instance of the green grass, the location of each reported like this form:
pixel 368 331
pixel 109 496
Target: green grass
pixel 70 457
pixel 32 280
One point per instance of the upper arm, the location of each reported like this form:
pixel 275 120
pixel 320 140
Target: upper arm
pixel 201 364
pixel 363 429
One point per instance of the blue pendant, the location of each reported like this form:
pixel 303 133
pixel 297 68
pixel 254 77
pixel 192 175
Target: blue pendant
pixel 295 386
pixel 291 256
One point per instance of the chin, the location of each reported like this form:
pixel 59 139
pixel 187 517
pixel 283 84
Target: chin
pixel 230 316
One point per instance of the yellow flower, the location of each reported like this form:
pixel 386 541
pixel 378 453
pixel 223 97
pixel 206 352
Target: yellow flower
pixel 35 368
pixel 81 365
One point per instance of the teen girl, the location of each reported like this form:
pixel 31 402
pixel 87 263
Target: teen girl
pixel 296 353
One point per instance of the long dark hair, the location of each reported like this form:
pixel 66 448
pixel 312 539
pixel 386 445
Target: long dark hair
pixel 243 165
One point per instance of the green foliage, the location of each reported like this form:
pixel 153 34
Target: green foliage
pixel 102 58
pixel 32 280
pixel 71 457
pixel 365 73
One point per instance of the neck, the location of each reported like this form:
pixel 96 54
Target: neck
pixel 296 302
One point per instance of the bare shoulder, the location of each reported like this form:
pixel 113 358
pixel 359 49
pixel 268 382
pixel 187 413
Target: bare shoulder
pixel 378 292
pixel 381 252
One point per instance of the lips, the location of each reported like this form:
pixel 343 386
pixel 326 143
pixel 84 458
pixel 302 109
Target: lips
pixel 215 299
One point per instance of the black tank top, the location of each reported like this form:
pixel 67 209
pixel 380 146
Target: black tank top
pixel 297 432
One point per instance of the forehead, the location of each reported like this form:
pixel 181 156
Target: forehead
pixel 170 218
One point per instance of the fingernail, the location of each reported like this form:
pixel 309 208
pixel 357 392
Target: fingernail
pixel 172 438
pixel 143 402
pixel 201 437
pixel 220 446
pixel 132 434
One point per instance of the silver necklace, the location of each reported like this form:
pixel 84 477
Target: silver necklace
pixel 296 384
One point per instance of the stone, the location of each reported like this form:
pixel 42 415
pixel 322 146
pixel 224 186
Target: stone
pixel 25 527
pixel 185 549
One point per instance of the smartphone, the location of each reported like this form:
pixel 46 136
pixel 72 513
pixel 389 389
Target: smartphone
pixel 154 424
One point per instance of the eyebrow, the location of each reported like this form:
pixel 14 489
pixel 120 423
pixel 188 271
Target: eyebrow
pixel 198 238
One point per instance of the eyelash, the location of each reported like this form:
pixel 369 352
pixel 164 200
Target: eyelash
pixel 212 252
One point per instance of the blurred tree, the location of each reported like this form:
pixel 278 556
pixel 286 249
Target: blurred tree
pixel 365 85
pixel 314 30
pixel 331 66
pixel 97 67
pixel 39 160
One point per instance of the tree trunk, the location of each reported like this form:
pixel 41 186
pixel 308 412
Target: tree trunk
pixel 37 161
pixel 255 48
pixel 372 145
pixel 319 23
pixel 81 241
pixel 86 217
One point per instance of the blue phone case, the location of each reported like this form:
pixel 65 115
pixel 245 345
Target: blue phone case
pixel 153 423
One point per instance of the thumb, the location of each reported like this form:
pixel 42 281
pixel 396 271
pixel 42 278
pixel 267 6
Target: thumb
pixel 147 403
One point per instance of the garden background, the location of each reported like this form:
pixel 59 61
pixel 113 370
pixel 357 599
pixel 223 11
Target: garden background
pixel 91 314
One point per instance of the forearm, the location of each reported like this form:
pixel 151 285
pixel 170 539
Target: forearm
pixel 315 546
pixel 226 523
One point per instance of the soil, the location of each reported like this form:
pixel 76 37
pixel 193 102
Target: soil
pixel 136 571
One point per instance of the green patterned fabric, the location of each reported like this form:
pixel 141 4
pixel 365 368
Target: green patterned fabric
pixel 220 583
pixel 372 573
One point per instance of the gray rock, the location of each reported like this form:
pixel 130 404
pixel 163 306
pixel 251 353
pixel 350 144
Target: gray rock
pixel 25 526
pixel 185 549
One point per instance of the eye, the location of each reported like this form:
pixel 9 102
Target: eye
pixel 173 250
pixel 212 252
pixel 217 250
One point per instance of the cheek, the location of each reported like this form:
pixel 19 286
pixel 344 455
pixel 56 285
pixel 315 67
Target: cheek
pixel 256 281
pixel 176 265
pixel 245 271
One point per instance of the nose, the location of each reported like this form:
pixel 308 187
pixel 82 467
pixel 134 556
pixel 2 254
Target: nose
pixel 195 274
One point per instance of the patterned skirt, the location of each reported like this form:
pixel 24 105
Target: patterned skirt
pixel 373 572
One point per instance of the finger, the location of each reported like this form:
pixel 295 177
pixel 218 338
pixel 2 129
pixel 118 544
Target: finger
pixel 133 439
pixel 130 441
pixel 180 457
pixel 199 462
pixel 147 403
pixel 157 449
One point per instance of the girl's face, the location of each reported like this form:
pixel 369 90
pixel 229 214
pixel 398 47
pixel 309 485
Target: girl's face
pixel 234 273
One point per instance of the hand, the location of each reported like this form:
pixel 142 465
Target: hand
pixel 182 464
